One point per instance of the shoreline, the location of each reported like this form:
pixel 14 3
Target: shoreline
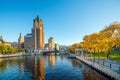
pixel 14 55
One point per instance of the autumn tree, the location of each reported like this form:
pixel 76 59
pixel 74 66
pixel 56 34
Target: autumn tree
pixel 103 41
pixel 73 47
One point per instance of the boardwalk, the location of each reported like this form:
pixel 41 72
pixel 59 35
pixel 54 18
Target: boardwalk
pixel 103 69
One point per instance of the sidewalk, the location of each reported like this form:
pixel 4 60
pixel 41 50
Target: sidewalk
pixel 12 55
pixel 101 67
pixel 115 66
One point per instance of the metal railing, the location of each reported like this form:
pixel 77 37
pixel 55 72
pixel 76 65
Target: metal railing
pixel 107 63
pixel 104 66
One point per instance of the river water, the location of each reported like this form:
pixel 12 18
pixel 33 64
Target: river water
pixel 38 67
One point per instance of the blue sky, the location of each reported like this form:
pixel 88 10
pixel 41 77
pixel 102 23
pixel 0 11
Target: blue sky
pixel 68 21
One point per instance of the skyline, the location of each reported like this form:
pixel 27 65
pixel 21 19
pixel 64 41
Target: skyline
pixel 68 21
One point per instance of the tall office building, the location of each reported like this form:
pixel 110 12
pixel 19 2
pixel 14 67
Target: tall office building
pixel 38 33
pixel 35 39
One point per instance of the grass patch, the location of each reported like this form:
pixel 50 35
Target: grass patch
pixel 113 56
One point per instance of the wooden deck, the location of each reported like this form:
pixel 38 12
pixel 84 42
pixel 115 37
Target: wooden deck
pixel 102 69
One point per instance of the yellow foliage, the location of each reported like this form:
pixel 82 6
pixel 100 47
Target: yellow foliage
pixel 73 47
pixel 98 42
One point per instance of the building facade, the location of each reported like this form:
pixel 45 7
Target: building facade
pixel 38 34
pixel 35 39
pixel 2 42
pixel 51 43
pixel 28 41
pixel 57 47
pixel 14 44
pixel 20 41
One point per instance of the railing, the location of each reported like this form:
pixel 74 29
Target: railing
pixel 107 63
pixel 104 66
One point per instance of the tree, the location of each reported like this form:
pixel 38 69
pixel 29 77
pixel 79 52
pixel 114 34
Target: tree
pixel 3 49
pixel 73 47
pixel 103 41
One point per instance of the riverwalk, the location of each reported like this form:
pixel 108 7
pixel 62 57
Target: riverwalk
pixel 15 55
pixel 110 73
pixel 26 54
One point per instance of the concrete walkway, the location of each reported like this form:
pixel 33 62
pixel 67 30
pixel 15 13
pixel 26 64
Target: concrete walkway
pixel 14 55
pixel 101 68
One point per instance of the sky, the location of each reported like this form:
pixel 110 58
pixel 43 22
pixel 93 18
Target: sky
pixel 68 21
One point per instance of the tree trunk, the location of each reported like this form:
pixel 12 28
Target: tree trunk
pixel 108 54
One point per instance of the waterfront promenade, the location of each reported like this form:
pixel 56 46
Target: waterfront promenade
pixel 103 69
pixel 26 54
pixel 15 55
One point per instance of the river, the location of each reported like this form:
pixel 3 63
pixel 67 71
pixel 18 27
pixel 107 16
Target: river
pixel 39 67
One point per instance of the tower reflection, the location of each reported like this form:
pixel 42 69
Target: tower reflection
pixel 39 68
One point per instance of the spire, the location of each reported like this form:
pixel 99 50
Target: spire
pixel 38 22
pixel 38 18
pixel 20 40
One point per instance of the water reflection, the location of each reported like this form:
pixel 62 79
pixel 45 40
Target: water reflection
pixel 39 68
pixel 46 68
pixel 51 60
pixel 90 74
pixel 75 63
pixel 21 65
pixel 7 62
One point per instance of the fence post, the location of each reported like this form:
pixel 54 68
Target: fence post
pixel 110 65
pixel 103 62
pixel 119 68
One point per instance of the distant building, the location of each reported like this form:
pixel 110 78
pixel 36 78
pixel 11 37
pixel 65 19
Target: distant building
pixel 7 44
pixel 14 44
pixel 46 46
pixel 36 39
pixel 28 41
pixel 57 47
pixel 51 44
pixel 63 48
pixel 20 41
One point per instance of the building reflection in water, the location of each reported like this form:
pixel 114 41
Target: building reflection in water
pixel 7 62
pixel 21 65
pixel 39 68
pixel 33 67
pixel 51 60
